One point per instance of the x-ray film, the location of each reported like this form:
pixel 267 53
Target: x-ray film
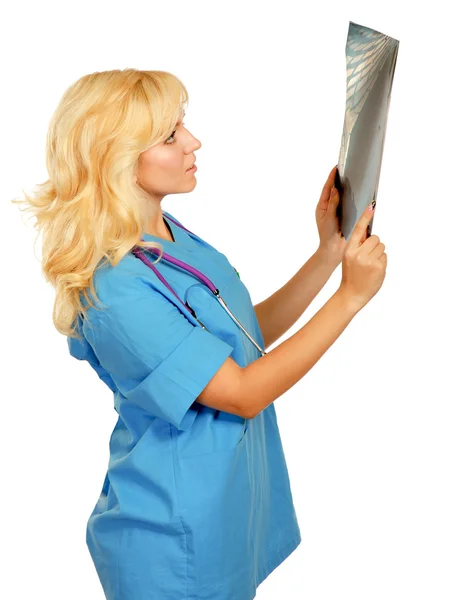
pixel 370 65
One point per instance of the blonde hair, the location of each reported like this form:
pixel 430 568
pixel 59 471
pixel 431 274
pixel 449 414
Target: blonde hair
pixel 90 210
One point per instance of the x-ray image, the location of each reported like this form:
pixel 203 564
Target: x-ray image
pixel 370 65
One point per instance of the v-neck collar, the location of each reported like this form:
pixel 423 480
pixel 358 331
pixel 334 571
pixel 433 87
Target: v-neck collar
pixel 183 241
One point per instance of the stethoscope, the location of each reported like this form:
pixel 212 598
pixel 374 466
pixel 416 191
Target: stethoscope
pixel 205 280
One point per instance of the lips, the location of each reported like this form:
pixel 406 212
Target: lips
pixel 192 165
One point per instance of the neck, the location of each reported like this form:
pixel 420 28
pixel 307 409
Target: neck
pixel 157 227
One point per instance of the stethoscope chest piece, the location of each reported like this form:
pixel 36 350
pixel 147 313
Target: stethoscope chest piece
pixel 206 287
pixel 198 294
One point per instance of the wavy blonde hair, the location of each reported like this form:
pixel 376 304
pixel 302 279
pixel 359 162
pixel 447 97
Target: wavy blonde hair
pixel 90 211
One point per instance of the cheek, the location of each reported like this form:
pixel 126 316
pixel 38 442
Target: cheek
pixel 161 166
pixel 174 164
pixel 169 164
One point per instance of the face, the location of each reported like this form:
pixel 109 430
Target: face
pixel 162 168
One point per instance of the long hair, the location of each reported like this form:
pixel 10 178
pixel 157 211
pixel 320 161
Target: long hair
pixel 90 211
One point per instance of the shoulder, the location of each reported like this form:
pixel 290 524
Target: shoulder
pixel 122 285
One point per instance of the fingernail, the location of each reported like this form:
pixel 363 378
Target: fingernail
pixel 333 191
pixel 372 205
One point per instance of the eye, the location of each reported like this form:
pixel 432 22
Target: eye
pixel 172 135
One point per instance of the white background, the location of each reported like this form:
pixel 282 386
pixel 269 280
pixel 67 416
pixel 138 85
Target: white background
pixel 369 431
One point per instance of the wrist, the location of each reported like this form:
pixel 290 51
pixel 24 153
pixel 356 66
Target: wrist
pixel 350 303
pixel 327 257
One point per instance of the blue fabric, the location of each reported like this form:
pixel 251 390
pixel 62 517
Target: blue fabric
pixel 196 503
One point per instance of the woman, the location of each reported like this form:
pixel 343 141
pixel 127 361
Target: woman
pixel 196 502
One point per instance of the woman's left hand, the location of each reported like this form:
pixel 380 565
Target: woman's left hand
pixel 331 242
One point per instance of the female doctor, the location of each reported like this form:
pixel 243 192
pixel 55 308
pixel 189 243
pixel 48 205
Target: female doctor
pixel 196 501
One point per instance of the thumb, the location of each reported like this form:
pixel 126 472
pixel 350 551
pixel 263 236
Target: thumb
pixel 333 201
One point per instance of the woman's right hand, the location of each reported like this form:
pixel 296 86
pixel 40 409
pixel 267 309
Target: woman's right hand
pixel 364 264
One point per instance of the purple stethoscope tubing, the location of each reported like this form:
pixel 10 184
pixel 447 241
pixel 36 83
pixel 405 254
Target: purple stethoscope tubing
pixel 138 254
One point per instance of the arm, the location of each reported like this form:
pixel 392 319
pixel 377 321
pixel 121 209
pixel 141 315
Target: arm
pixel 246 391
pixel 281 310
pixel 267 378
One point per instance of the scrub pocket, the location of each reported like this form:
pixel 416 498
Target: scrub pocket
pixel 214 498
pixel 212 432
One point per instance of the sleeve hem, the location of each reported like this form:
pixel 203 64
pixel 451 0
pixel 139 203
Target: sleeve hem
pixel 172 388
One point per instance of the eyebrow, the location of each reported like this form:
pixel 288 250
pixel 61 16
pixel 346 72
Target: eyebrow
pixel 179 122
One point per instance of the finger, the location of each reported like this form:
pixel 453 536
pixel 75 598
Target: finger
pixel 383 257
pixel 332 176
pixel 377 251
pixel 360 228
pixel 329 183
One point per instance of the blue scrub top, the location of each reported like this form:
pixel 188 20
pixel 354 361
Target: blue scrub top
pixel 196 503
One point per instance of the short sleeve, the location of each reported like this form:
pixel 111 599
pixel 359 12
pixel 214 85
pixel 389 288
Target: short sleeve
pixel 156 357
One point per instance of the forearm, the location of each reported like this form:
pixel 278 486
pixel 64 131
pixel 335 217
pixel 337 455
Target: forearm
pixel 281 310
pixel 271 375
